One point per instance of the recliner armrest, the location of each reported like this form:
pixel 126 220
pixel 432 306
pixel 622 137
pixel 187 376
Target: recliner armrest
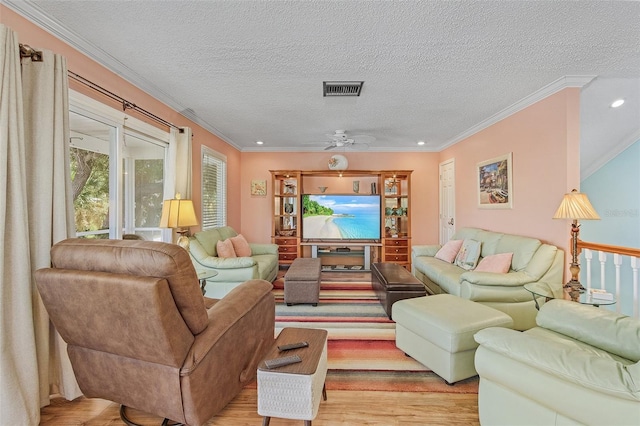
pixel 567 362
pixel 257 248
pixel 225 315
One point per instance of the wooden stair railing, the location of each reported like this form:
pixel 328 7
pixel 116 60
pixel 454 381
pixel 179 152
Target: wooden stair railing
pixel 625 251
pixel 627 288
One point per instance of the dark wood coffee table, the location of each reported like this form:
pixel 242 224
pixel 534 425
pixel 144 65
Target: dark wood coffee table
pixel 293 391
pixel 391 282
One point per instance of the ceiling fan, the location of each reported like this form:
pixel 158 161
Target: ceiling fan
pixel 340 139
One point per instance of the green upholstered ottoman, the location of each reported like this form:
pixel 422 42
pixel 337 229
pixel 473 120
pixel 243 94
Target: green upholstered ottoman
pixel 437 331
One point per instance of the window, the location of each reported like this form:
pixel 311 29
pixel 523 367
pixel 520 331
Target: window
pixel 214 189
pixel 117 171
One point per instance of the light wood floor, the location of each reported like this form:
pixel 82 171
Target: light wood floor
pixel 341 408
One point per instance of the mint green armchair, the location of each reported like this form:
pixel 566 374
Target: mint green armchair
pixel 580 365
pixel 232 271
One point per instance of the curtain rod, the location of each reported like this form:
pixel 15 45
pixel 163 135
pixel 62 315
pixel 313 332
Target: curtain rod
pixel 27 51
pixel 125 103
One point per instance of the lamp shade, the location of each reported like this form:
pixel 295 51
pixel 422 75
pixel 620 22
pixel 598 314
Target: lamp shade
pixel 576 205
pixel 177 213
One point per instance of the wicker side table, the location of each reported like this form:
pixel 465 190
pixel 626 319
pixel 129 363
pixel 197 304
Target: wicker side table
pixel 294 391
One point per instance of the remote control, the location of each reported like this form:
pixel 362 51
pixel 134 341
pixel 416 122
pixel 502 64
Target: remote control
pixel 280 362
pixel 290 346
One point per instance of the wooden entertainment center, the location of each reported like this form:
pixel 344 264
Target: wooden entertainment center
pixel 394 244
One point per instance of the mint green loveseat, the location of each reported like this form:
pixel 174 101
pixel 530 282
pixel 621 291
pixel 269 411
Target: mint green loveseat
pixel 233 271
pixel 532 262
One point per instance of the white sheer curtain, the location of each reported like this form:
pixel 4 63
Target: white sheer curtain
pixel 36 212
pixel 183 162
pixel 178 169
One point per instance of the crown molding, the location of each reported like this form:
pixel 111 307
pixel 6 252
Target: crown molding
pixel 34 14
pixel 611 153
pixel 537 96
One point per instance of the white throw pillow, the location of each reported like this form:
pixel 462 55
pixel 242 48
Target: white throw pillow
pixel 469 254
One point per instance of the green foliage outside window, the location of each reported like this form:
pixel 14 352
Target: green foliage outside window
pixel 90 183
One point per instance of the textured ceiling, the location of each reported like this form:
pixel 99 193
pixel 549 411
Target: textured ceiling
pixel 433 70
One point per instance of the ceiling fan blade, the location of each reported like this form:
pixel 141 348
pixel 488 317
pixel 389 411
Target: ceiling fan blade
pixel 363 138
pixel 330 147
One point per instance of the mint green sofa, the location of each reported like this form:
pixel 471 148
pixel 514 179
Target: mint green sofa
pixel 532 262
pixel 580 365
pixel 231 272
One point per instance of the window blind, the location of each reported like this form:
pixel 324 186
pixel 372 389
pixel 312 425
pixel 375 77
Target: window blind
pixel 214 189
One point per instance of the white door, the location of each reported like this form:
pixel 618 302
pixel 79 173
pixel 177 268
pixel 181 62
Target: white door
pixel 447 200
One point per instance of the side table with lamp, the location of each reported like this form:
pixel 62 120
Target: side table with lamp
pixel 575 206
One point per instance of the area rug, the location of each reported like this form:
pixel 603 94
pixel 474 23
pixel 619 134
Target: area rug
pixel 360 335
pixel 362 354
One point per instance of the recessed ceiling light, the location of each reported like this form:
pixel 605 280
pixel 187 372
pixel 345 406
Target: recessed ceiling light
pixel 259 142
pixel 617 103
pixel 420 143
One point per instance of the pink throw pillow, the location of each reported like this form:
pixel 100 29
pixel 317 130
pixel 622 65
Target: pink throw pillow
pixel 499 263
pixel 449 251
pixel 240 246
pixel 225 248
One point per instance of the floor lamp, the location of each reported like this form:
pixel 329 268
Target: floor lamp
pixel 180 215
pixel 576 206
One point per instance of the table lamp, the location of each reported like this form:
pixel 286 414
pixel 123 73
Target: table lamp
pixel 179 214
pixel 575 206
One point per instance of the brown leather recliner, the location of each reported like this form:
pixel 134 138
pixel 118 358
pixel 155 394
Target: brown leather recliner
pixel 140 333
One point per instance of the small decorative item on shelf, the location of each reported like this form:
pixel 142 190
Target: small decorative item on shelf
pixel 388 211
pixel 398 211
pixel 405 211
pixel 391 187
pixel 287 232
pixel 289 187
pixel 288 208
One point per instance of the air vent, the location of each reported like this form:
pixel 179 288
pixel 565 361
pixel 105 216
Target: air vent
pixel 341 88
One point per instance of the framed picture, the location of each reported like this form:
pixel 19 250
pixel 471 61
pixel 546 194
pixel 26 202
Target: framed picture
pixel 495 183
pixel 258 187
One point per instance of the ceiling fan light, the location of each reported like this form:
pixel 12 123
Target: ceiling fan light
pixel 420 143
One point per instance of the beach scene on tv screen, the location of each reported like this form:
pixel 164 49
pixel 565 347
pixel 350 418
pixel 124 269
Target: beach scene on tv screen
pixel 354 217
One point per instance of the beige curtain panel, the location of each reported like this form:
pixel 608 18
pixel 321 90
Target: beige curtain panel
pixel 37 212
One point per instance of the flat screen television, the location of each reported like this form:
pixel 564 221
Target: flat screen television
pixel 340 217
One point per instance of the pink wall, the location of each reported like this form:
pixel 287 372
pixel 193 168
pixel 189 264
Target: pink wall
pixel 36 37
pixel 424 186
pixel 544 140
